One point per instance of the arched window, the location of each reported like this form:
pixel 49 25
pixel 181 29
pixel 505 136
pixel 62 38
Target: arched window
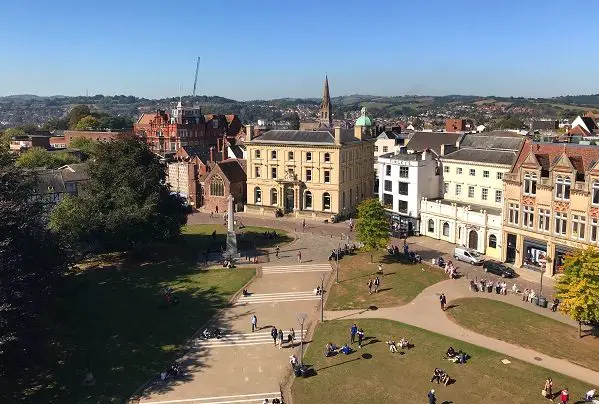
pixel 217 186
pixel 431 225
pixel 326 201
pixel 446 229
pixel 273 196
pixel 308 200
pixel 257 195
pixel 492 241
pixel 327 157
pixel 596 193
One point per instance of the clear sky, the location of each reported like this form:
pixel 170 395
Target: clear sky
pixel 265 49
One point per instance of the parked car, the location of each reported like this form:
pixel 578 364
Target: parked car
pixel 498 268
pixel 468 255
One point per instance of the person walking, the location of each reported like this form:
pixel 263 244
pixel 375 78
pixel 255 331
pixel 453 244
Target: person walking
pixel 299 257
pixel 377 283
pixel 443 301
pixel 352 333
pixel 360 337
pixel 292 337
pixel 277 251
pixel 431 397
pixel 564 396
pixel 280 338
pixel 548 389
pixel 303 224
pixel 369 284
pixel 274 334
pixel 254 323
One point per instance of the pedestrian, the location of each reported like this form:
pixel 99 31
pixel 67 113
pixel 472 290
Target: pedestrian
pixel 280 338
pixel 443 301
pixel 352 333
pixel 431 397
pixel 292 337
pixel 254 323
pixel 547 389
pixel 590 395
pixel 277 251
pixel 377 283
pixel 274 334
pixel 525 295
pixel 214 235
pixel 211 215
pixel 369 284
pixel 299 257
pixel 380 269
pixel 564 396
pixel 303 224
pixel 360 337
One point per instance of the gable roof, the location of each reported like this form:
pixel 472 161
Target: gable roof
pixel 236 150
pixel 201 152
pixel 421 141
pixel 233 170
pixel 581 157
pixel 504 157
pixel 498 140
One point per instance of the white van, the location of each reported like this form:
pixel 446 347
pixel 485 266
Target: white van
pixel 468 255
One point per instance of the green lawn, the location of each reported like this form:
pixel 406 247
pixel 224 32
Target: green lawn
pixel 374 375
pixel 401 283
pixel 111 317
pixel 525 328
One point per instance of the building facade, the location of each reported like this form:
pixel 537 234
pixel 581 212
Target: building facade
pixel 403 180
pixel 225 178
pixel 312 174
pixel 98 136
pixel 551 205
pixel 469 212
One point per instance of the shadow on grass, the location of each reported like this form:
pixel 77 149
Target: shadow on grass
pixel 338 364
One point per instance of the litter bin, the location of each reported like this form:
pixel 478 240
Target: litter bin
pixel 542 302
pixel 535 301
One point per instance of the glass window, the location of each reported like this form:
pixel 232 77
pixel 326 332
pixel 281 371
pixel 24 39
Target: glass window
pixel 530 184
pixel 273 154
pixel 290 155
pixel 431 226
pixel 596 193
pixel 445 169
pixel 458 170
pixel 402 206
pixel 308 156
pixel 445 187
pixel 385 149
pixel 387 200
pixel 544 219
pixel 470 192
pixel 387 170
pixel 528 216
pixel 402 188
pixel 472 172
pixel 258 195
pixel 327 157
pixel 376 149
pixel 257 171
pixel 273 196
pixel 273 173
pixel 485 194
pixel 593 235
pixel 308 174
pixel 308 200
pixel 514 209
pixel 493 241
pixel 498 196
pixel 446 229
pixel 217 186
pixel 404 172
pixel 326 201
pixel 327 176
pixel 561 221
pixel 257 154
pixel 485 174
pixel 458 189
pixel 388 186
pixel 578 226
pixel 499 176
pixel 562 188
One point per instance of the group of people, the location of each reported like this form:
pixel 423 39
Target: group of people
pixel 268 235
pixel 563 395
pixel 227 263
pixel 440 376
pixel 528 295
pixel 318 291
pixel 449 268
pixel 489 286
pixel 456 356
pixel 346 249
pixel 355 331
pixel 278 336
pixel 373 285
pixel 403 344
pixel 274 401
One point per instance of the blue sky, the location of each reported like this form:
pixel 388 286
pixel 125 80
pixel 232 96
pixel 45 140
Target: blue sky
pixel 265 49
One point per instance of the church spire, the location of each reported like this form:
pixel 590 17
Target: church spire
pixel 326 108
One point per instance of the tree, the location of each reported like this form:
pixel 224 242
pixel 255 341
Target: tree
pixel 126 203
pixel 10 133
pixel 88 123
pixel 418 123
pixel 115 122
pixel 578 287
pixel 30 261
pixel 294 121
pixel 56 124
pixel 372 225
pixel 87 146
pixel 39 157
pixel 75 115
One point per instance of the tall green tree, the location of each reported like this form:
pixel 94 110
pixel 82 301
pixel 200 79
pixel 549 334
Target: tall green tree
pixel 76 113
pixel 372 225
pixel 88 123
pixel 9 134
pixel 56 123
pixel 87 146
pixel 294 121
pixel 37 157
pixel 30 261
pixel 126 203
pixel 578 287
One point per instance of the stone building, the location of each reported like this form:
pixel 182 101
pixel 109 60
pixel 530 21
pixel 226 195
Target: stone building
pixel 224 178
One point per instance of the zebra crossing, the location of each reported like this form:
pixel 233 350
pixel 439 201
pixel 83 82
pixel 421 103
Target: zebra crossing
pixel 240 398
pixel 237 340
pixel 294 269
pixel 257 298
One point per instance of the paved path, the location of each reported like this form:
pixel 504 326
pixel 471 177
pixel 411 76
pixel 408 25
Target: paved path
pixel 424 312
pixel 245 366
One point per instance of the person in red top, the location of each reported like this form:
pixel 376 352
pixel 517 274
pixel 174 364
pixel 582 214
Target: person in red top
pixel 564 396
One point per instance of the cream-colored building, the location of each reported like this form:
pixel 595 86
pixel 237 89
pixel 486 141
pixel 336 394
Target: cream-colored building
pixel 311 174
pixel 469 212
pixel 551 205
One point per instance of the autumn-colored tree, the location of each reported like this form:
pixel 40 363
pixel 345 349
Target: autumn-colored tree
pixel 578 287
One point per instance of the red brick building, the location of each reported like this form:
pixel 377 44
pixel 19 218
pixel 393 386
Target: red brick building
pixel 185 126
pixel 225 177
pixel 458 125
pixel 98 136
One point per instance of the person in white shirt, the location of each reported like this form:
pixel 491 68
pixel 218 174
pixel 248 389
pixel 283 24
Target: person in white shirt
pixel 590 395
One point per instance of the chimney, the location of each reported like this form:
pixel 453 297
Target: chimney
pixel 249 132
pixel 358 132
pixel 224 150
pixel 212 154
pixel 337 134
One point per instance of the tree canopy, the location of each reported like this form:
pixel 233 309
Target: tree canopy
pixel 86 145
pixel 294 121
pixel 125 204
pixel 39 157
pixel 76 113
pixel 88 123
pixel 372 225
pixel 578 287
pixel 30 260
pixel 10 133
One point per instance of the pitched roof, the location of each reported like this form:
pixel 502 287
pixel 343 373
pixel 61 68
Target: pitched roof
pixel 145 118
pixel 233 170
pixel 548 155
pixel 432 140
pixel 236 150
pixel 498 140
pixel 483 156
pixel 322 136
pixel 544 125
pixel 202 152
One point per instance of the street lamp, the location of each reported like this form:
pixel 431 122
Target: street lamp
pixel 322 298
pixel 301 318
pixel 338 248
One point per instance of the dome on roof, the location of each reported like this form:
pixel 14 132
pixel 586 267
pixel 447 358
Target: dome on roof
pixel 363 120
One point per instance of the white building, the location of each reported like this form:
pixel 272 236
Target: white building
pixel 403 180
pixel 470 212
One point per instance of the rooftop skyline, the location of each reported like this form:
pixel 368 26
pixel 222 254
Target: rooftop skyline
pixel 272 49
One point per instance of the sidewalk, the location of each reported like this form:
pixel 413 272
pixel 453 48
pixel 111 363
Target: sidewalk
pixel 424 312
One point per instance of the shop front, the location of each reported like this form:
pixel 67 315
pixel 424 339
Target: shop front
pixel 535 254
pixel 402 226
pixel 560 254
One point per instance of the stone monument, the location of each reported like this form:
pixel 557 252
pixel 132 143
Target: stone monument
pixel 231 252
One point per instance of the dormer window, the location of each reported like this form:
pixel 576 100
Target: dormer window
pixel 562 188
pixel 530 184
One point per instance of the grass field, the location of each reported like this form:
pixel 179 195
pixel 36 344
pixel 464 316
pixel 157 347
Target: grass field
pixel 401 283
pixel 525 328
pixel 374 375
pixel 111 317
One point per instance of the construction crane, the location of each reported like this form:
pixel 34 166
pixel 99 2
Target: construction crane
pixel 195 82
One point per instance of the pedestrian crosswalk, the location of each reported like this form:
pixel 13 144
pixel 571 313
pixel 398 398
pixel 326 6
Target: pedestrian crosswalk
pixel 247 339
pixel 256 298
pixel 239 398
pixel 293 269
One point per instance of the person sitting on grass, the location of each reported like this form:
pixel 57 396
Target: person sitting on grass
pixel 346 349
pixel 444 378
pixel 392 346
pixel 451 352
pixel 293 361
pixel 404 343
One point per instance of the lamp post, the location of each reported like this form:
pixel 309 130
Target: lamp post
pixel 338 248
pixel 321 298
pixel 301 318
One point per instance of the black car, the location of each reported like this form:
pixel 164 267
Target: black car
pixel 498 268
